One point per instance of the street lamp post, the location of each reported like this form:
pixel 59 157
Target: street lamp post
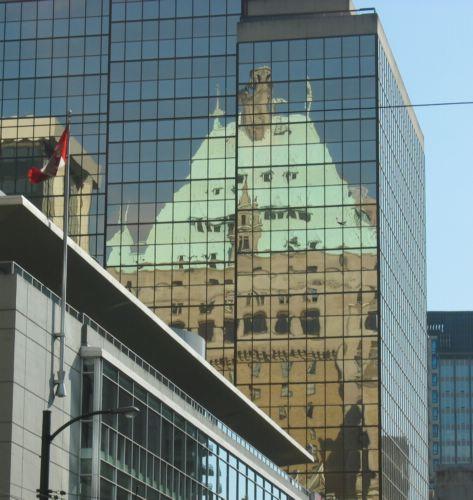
pixel 47 439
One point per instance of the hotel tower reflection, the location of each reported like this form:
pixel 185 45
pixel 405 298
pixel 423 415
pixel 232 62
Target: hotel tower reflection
pixel 281 284
pixel 306 262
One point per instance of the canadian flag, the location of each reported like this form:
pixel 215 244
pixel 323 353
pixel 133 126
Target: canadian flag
pixel 57 160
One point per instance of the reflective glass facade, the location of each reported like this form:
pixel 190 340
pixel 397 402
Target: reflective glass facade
pixel 450 393
pixel 256 195
pixel 158 454
pixel 307 250
pixel 54 57
pixel 171 168
pixel 403 369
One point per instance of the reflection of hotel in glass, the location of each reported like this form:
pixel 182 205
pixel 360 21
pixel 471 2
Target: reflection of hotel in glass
pixel 260 192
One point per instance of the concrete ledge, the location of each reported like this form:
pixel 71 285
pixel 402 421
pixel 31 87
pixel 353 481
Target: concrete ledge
pixel 258 29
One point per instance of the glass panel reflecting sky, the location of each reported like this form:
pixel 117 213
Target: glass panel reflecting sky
pixel 404 458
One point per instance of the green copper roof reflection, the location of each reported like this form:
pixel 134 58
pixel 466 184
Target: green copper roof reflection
pixel 288 175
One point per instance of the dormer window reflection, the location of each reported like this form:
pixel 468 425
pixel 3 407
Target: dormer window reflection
pixel 177 308
pixel 255 393
pixel 304 215
pixel 293 243
pixel 267 176
pixel 289 175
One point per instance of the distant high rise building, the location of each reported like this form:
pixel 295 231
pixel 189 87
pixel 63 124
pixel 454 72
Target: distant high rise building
pixel 251 172
pixel 450 390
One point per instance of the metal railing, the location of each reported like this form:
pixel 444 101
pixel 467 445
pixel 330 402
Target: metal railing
pixel 14 268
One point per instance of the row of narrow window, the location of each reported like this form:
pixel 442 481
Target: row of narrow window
pixel 290 213
pixel 258 324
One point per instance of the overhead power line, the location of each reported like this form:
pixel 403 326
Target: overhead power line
pixel 427 104
pixel 316 109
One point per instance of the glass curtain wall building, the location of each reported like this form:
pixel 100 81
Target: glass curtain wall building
pixel 174 448
pixel 450 376
pixel 158 454
pixel 54 57
pixel 402 282
pixel 171 163
pixel 307 249
pixel 261 185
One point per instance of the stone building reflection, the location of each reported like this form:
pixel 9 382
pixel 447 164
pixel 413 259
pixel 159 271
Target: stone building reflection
pixel 307 268
pixel 278 272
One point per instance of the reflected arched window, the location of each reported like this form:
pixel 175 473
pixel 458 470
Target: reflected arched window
pixel 244 243
pixel 247 324
pixel 255 323
pixel 310 322
pixel 229 327
pixel 286 368
pixel 310 410
pixel 283 323
pixel 371 321
pixel 312 369
pixel 206 330
pixel 259 323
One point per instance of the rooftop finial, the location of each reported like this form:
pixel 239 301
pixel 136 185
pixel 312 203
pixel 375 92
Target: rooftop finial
pixel 309 98
pixel 218 111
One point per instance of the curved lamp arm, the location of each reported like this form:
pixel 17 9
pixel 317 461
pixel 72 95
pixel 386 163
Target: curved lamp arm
pixel 47 438
pixel 129 411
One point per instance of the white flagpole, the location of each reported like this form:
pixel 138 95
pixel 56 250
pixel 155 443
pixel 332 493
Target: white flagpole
pixel 61 374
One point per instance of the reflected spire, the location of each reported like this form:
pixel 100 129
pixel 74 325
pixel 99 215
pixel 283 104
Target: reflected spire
pixel 310 97
pixel 125 218
pixel 245 200
pixel 218 111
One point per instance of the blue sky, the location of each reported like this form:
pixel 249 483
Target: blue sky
pixel 432 41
